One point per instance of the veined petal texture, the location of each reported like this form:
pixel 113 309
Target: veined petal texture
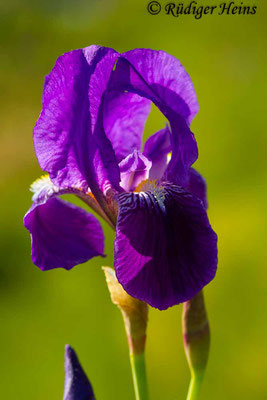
pixel 165 248
pixel 62 234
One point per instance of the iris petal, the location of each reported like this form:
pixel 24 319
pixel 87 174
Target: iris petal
pixel 63 235
pixel 167 78
pixel 197 186
pixel 165 248
pixel 134 169
pixel 69 141
pixel 156 149
pixel 155 75
pixel 125 115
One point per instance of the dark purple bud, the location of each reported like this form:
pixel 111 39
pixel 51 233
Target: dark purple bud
pixel 77 385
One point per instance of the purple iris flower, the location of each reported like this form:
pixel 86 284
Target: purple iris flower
pixel 89 140
pixel 77 385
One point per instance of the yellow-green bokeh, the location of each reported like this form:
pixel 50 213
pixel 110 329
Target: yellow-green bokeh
pixel 40 312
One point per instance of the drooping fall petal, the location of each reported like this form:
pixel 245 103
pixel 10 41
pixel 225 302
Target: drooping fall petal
pixel 165 248
pixel 62 235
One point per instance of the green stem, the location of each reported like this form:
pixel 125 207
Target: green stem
pixel 194 387
pixel 139 376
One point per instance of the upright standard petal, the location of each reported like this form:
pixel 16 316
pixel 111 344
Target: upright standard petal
pixel 63 235
pixel 165 248
pixel 66 142
pixel 155 75
pixel 102 157
pixel 125 115
pixel 167 78
pixel 77 385
pixel 156 149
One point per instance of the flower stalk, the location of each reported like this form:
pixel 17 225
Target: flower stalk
pixel 135 316
pixel 194 387
pixel 196 334
pixel 139 376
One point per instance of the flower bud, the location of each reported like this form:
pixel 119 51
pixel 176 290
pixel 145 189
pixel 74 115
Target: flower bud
pixel 77 385
pixel 134 312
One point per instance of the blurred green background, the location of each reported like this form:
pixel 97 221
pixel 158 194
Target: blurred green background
pixel 40 312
